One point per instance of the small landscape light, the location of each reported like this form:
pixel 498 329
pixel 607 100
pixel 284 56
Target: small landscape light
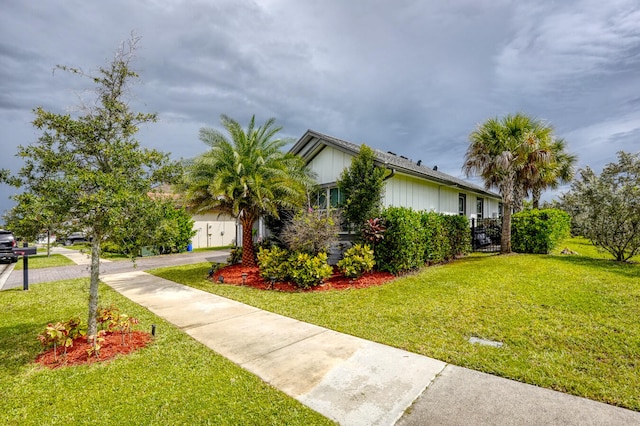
pixel 153 330
pixel 221 279
pixel 244 278
pixel 272 282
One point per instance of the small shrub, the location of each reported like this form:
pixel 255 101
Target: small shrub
pixel 108 318
pixel 235 256
pixel 309 271
pixel 54 335
pixel 539 231
pixel 61 334
pixel 373 231
pixel 274 262
pixel 215 267
pixel 311 231
pixel 356 261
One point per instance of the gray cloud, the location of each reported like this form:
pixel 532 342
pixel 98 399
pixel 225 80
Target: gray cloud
pixel 409 76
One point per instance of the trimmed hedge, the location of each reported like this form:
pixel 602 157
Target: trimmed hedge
pixel 403 246
pixel 437 244
pixel 413 239
pixel 459 235
pixel 539 231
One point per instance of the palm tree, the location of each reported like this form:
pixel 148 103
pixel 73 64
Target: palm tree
pixel 507 153
pixel 559 170
pixel 245 175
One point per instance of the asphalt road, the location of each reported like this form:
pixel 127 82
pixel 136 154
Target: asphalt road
pixel 15 278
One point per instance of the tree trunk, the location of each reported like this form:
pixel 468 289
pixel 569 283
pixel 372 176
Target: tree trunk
pixel 518 200
pixel 92 321
pixel 536 193
pixel 505 237
pixel 247 221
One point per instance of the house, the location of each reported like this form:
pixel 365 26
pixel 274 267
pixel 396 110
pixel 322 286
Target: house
pixel 212 229
pixel 408 184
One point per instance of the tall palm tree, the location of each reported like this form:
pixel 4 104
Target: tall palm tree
pixel 503 152
pixel 245 175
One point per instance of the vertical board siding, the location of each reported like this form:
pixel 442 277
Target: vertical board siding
pixel 329 164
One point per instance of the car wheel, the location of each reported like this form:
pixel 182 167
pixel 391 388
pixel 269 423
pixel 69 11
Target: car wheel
pixel 68 243
pixel 14 260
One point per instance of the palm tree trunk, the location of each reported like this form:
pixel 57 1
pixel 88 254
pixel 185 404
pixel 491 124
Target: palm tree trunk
pixel 505 238
pixel 248 258
pixel 536 193
pixel 518 200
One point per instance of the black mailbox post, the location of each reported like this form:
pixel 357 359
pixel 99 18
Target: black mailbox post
pixel 25 252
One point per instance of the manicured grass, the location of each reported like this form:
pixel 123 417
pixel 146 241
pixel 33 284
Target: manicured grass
pixel 212 248
pixel 175 380
pixel 583 247
pixel 568 323
pixel 42 261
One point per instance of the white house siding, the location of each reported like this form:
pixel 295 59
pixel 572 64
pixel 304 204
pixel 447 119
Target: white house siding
pixel 213 230
pixel 329 164
pixel 403 189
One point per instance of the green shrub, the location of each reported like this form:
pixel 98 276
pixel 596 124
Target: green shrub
pixel 436 237
pixel 356 261
pixel 311 231
pixel 403 246
pixel 539 231
pixel 309 271
pixel 274 262
pixel 235 256
pixel 459 235
pixel 110 247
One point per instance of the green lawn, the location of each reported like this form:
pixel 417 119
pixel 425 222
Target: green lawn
pixel 176 380
pixel 568 323
pixel 42 261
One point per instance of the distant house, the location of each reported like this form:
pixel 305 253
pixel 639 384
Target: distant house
pixel 213 229
pixel 409 184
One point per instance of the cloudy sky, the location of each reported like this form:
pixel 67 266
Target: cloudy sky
pixel 410 76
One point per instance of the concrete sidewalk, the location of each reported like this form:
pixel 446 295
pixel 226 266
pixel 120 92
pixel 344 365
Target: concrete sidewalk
pixel 76 256
pixel 355 381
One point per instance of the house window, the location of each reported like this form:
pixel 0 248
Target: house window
pixel 333 195
pixel 319 200
pixel 462 204
pixel 480 208
pixel 336 197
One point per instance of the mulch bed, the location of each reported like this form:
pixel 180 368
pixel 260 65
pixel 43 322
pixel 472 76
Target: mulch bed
pixel 109 348
pixel 232 274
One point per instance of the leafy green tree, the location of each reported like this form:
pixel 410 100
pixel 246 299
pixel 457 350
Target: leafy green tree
pixel 32 216
pixel 246 175
pixel 606 208
pixel 90 170
pixel 362 184
pixel 175 229
pixel 508 154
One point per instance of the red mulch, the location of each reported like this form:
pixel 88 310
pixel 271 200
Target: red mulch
pixel 232 274
pixel 109 348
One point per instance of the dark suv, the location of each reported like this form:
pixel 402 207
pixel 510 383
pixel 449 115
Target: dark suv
pixel 7 243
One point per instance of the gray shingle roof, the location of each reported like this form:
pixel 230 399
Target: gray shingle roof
pixel 312 142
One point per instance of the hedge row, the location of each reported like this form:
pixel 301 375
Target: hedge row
pixel 413 238
pixel 539 231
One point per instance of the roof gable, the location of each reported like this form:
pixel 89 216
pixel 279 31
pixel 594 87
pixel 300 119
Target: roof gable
pixel 312 142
